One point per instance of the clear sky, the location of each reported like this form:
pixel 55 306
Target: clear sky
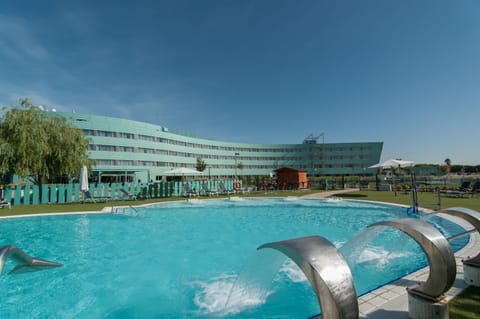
pixel 405 72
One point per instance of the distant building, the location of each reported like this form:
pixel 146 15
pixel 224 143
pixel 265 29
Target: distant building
pixel 131 150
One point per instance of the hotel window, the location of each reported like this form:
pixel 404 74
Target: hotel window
pixel 126 135
pixel 104 162
pixel 106 148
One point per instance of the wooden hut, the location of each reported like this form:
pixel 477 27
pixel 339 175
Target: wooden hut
pixel 291 178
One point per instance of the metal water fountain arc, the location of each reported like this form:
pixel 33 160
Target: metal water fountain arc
pixel 23 259
pixel 471 216
pixel 437 248
pixel 327 272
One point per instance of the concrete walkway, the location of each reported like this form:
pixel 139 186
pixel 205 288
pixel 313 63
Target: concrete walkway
pixel 331 193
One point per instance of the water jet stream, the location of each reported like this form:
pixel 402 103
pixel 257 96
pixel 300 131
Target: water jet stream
pixel 327 272
pixel 436 247
pixel 23 260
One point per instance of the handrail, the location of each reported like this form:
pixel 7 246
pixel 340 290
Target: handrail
pixel 22 258
pixel 462 234
pixel 136 211
pixel 123 210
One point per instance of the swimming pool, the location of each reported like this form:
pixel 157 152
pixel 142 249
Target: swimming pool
pixel 188 259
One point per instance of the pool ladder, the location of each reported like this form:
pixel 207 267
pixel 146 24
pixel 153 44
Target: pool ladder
pixel 23 260
pixel 122 210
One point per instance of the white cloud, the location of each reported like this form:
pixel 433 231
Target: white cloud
pixel 11 94
pixel 17 41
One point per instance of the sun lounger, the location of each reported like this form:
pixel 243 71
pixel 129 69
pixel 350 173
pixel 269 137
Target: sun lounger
pixel 475 188
pixel 143 192
pixel 463 190
pixel 88 197
pixel 187 191
pixel 245 190
pixel 206 191
pixel 465 187
pixel 5 203
pixel 127 195
pixel 224 190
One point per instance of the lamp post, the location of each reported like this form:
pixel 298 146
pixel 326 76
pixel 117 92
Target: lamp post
pixel 236 155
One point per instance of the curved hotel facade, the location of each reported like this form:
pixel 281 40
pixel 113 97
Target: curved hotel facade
pixel 132 150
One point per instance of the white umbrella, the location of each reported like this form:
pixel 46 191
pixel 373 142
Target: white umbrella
pixel 182 171
pixel 84 179
pixel 393 163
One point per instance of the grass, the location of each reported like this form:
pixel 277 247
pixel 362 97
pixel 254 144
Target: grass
pixel 95 207
pixel 425 199
pixel 464 306
pixel 75 207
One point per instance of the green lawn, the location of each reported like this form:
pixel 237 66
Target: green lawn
pixel 76 207
pixel 61 208
pixel 425 199
pixel 466 305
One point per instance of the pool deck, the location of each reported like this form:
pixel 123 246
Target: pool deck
pixel 391 301
pixel 331 193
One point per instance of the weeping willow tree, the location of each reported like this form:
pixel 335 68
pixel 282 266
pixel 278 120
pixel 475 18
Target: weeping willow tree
pixel 39 146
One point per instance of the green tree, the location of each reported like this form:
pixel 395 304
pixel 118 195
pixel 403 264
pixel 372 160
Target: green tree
pixel 448 166
pixel 38 146
pixel 201 166
pixel 239 166
pixel 70 151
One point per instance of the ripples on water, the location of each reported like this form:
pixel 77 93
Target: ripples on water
pixel 195 259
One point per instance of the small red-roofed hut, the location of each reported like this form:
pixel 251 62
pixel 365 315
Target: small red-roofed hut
pixel 291 178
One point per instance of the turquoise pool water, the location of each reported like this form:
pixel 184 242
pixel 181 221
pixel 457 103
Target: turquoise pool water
pixel 188 259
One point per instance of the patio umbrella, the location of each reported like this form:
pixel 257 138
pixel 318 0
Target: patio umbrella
pixel 84 179
pixel 182 171
pixel 393 163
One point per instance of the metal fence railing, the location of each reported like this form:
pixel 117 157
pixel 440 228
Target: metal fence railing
pixel 31 194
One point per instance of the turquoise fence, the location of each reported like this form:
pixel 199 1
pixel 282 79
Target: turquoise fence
pixel 70 193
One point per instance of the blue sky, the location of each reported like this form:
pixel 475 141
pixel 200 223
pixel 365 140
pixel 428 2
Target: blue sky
pixel 265 71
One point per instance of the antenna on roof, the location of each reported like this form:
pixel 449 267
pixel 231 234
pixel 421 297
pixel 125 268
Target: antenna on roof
pixel 312 139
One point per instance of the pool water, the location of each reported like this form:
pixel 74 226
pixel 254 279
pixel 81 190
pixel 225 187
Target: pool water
pixel 197 259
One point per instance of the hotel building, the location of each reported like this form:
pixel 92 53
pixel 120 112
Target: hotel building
pixel 132 150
